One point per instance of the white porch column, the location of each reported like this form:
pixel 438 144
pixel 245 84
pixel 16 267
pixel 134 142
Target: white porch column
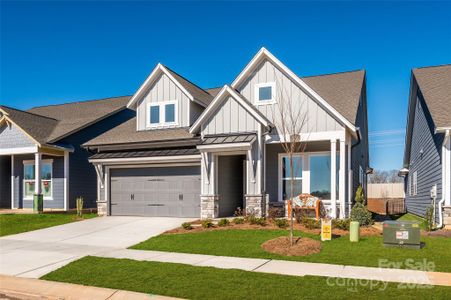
pixel 341 181
pixel 37 173
pixel 350 192
pixel 447 165
pixel 66 180
pixel 12 181
pixel 333 177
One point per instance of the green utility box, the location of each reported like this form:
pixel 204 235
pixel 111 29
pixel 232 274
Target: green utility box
pixel 354 231
pixel 402 234
pixel 38 203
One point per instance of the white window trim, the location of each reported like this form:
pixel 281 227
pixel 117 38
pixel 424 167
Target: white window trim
pixel 361 175
pixel 162 107
pixel 415 183
pixel 32 162
pixel 257 101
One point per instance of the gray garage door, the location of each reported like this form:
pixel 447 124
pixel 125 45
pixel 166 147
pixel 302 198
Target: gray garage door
pixel 156 192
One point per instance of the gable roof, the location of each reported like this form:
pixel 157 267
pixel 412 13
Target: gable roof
pixel 192 91
pixel 342 91
pixel 221 96
pixel 435 86
pixel 265 54
pixel 37 127
pixel 48 124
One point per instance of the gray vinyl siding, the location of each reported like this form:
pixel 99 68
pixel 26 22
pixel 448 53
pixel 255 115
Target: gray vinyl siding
pixel 427 165
pixel 163 89
pixel 230 117
pixel 57 182
pixel 359 154
pixel 13 137
pixel 82 175
pixel 317 119
pixel 195 111
pixel 5 182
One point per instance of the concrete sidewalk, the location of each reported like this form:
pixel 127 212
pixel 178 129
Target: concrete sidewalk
pixel 284 267
pixel 27 288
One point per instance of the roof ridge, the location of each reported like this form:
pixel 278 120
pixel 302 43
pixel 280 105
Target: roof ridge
pixel 77 102
pixel 336 73
pixel 30 113
pixel 186 79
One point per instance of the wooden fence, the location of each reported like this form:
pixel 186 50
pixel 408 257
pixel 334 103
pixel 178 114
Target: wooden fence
pixel 386 198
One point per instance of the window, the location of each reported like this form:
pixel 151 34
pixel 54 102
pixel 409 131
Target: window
pixel 288 177
pixel 361 175
pixel 409 185
pixel 320 168
pixel 264 93
pixel 163 113
pixel 29 179
pixel 414 183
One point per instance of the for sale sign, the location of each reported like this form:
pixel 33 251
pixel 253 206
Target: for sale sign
pixel 326 229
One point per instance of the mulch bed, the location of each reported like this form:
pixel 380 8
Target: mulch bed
pixel 301 246
pixel 364 231
pixel 441 233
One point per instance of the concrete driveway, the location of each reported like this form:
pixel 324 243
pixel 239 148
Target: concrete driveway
pixel 35 253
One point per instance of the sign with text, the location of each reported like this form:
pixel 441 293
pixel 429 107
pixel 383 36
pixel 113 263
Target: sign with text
pixel 326 229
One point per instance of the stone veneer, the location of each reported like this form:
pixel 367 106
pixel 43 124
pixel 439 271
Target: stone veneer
pixel 209 207
pixel 102 208
pixel 257 205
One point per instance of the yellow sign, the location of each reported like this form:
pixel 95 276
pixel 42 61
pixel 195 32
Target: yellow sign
pixel 326 229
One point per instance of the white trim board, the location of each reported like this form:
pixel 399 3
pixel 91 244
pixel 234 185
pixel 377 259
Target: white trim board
pixel 156 159
pixel 21 150
pixel 153 75
pixel 262 54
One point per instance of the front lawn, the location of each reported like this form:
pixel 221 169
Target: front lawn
pixel 246 243
pixel 185 281
pixel 17 223
pixel 411 217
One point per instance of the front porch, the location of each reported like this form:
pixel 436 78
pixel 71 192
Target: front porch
pixel 253 174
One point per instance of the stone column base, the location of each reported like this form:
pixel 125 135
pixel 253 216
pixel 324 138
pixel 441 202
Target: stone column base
pixel 102 208
pixel 447 216
pixel 209 206
pixel 256 205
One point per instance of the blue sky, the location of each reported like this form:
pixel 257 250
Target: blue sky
pixel 56 52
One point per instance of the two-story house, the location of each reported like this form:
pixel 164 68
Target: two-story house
pixel 193 152
pixel 427 156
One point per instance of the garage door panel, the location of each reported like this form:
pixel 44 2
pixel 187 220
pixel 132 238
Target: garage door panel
pixel 168 191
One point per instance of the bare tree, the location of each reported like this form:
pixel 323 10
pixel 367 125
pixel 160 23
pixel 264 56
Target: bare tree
pixel 381 176
pixel 290 120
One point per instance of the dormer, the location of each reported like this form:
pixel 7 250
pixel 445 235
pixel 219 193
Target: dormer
pixel 167 100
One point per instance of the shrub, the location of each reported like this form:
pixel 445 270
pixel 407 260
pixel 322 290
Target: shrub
pixel 275 212
pixel 429 218
pixel 361 214
pixel 256 221
pixel 187 226
pixel 207 223
pixel 238 212
pixel 359 197
pixel 223 222
pixel 310 223
pixel 238 221
pixel 342 224
pixel 79 204
pixel 281 223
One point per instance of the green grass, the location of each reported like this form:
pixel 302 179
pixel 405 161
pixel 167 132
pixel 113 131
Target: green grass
pixel 185 281
pixel 410 217
pixel 17 223
pixel 246 243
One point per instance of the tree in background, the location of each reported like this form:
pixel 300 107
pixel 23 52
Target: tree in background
pixel 381 176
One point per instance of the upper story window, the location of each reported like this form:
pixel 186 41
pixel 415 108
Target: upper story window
pixel 265 93
pixel 162 113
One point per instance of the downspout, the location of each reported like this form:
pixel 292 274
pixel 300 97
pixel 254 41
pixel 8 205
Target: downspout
pixel 444 162
pixel 359 139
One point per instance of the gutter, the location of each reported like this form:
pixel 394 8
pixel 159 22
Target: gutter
pixel 444 191
pixel 359 137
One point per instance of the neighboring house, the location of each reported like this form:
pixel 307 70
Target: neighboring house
pixel 427 158
pixel 196 152
pixel 41 148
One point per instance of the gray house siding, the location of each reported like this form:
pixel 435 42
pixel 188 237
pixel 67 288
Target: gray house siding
pixel 5 182
pixel 230 117
pixel 317 118
pixel 13 137
pixel 195 111
pixel 359 154
pixel 427 164
pixel 82 175
pixel 57 182
pixel 163 89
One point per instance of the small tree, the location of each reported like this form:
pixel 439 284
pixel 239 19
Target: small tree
pixel 290 119
pixel 359 196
